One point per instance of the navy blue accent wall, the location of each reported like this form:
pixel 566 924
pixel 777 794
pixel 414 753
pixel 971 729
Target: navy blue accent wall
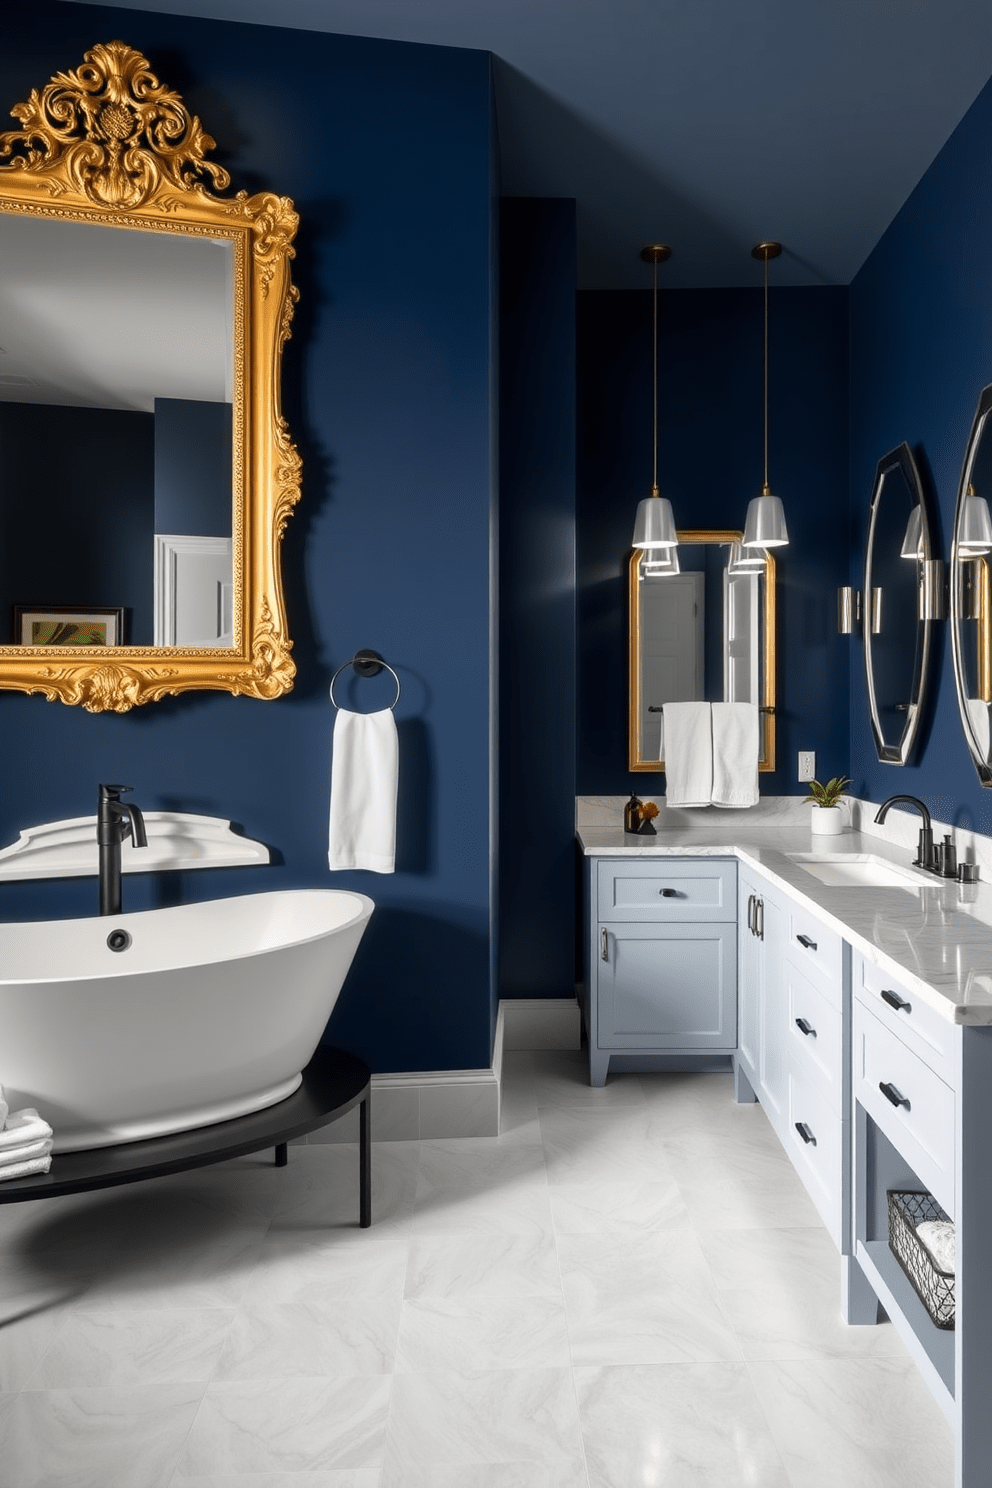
pixel 386 150
pixel 710 465
pixel 537 587
pixel 92 469
pixel 193 467
pixel 921 352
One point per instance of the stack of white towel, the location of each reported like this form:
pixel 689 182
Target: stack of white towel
pixel 25 1142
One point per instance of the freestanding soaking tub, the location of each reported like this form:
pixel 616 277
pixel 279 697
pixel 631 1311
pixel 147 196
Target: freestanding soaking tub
pixel 205 1012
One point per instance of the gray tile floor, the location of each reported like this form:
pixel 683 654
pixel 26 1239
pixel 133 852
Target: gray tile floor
pixel 628 1289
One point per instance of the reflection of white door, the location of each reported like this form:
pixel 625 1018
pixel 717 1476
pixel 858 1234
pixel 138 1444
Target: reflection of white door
pixel 672 621
pixel 193 590
pixel 740 638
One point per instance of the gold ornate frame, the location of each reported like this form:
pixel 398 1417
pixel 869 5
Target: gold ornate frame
pixel 635 762
pixel 109 143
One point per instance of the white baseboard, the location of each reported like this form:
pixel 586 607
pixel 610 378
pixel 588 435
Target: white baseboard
pixel 542 1023
pixel 425 1105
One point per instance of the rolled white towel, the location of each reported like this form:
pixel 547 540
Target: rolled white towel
pixel 25 1152
pixel 937 1235
pixel 23 1126
pixel 25 1169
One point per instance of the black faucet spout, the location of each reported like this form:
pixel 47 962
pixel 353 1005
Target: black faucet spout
pixel 925 855
pixel 115 819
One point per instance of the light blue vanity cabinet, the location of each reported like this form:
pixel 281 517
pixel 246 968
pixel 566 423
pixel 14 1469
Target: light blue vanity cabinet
pixel 661 959
pixel 922 1101
pixel 760 1066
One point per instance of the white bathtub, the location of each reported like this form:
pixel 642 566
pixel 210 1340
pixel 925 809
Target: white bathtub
pixel 212 1011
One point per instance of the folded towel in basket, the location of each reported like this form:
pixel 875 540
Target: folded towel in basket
pixel 25 1169
pixel 23 1126
pixel 25 1153
pixel 937 1236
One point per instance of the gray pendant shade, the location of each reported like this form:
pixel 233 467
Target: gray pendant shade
pixel 654 525
pixel 660 563
pixel 974 532
pixel 746 560
pixel 765 525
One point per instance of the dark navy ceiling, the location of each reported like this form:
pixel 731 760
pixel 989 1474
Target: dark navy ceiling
pixel 708 123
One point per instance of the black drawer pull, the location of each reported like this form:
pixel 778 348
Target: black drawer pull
pixel 669 893
pixel 805 1028
pixel 804 940
pixel 895 1001
pixel 891 1094
pixel 805 1133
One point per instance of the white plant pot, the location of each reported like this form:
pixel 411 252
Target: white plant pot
pixel 826 821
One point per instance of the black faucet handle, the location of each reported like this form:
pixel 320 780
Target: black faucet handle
pixel 113 792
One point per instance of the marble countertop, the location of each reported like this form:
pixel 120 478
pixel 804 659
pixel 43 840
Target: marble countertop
pixel 937 939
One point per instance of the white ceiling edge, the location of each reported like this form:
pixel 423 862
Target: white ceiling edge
pixel 710 125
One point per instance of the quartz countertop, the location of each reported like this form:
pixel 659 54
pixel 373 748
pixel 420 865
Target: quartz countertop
pixel 937 939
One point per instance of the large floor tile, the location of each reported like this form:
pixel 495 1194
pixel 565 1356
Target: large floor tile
pixel 560 1077
pixel 607 1208
pixel 781 1291
pixel 350 1335
pixel 500 1265
pixel 27 1331
pixel 147 1346
pixel 850 1421
pixel 585 1146
pixel 481 1185
pixel 738 1183
pixel 325 1191
pixel 321 1267
pixel 482 1332
pixel 287 1425
pixel 97 1438
pixel 672 1426
pixel 486 1475
pixel 642 1299
pixel 482 1417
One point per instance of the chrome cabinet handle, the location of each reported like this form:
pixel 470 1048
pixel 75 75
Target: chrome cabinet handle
pixel 895 1001
pixel 759 918
pixel 750 913
pixel 892 1094
pixel 604 946
pixel 805 1133
pixel 805 1028
pixel 806 943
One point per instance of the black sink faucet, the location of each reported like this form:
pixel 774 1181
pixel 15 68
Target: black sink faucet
pixel 925 856
pixel 114 820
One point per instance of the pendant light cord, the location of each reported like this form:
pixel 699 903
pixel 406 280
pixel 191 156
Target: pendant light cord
pixel 654 358
pixel 766 490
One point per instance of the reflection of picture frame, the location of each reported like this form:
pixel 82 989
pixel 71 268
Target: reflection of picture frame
pixel 82 625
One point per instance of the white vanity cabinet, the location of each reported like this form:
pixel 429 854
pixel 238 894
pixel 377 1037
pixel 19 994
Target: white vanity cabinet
pixel 661 959
pixel 761 1054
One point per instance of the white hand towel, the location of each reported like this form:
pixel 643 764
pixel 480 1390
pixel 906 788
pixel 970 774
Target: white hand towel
pixel 25 1152
pixel 25 1169
pixel 364 778
pixel 735 754
pixel 939 1238
pixel 23 1126
pixel 688 754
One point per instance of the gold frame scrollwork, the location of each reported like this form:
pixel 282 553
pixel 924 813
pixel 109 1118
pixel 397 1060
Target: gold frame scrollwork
pixel 109 143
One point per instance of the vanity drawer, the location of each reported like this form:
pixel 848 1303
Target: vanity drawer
pixel 814 948
pixel 903 1096
pixel 814 1142
pixel 919 1026
pixel 815 1035
pixel 673 889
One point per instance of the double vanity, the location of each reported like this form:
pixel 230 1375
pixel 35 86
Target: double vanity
pixel 851 994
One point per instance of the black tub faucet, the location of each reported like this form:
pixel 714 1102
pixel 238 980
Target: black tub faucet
pixel 925 855
pixel 115 819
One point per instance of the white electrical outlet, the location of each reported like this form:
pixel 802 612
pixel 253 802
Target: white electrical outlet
pixel 807 765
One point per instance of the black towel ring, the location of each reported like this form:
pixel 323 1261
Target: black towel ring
pixel 366 664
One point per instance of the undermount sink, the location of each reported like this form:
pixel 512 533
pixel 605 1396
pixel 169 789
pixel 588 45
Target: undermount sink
pixel 860 870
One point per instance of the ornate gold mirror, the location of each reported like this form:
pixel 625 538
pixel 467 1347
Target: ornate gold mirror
pixel 147 474
pixel 706 633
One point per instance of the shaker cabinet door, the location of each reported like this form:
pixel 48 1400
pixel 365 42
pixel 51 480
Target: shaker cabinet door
pixel 668 988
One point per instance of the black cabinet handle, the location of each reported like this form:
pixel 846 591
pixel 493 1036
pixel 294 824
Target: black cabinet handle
pixel 891 1094
pixel 804 940
pixel 805 1133
pixel 806 1028
pixel 669 893
pixel 895 1001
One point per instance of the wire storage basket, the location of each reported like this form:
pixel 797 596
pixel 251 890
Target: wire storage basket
pixel 935 1288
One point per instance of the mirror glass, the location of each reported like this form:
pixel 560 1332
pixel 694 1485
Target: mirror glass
pixel 896 623
pixel 971 610
pixel 706 633
pixel 116 393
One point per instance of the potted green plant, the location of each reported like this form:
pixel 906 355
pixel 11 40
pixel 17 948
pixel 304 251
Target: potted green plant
pixel 826 818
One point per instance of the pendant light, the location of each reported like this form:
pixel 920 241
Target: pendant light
pixel 659 563
pixel 654 525
pixel 974 532
pixel 765 525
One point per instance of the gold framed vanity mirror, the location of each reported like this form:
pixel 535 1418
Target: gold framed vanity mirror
pixel 711 617
pixel 128 283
